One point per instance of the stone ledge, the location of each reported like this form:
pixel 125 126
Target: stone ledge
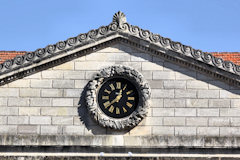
pixel 120 141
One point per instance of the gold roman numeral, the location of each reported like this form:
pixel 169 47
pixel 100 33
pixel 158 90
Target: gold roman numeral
pixel 111 109
pixel 129 92
pixel 118 85
pixel 117 110
pixel 124 110
pixel 107 104
pixel 131 98
pixel 105 97
pixel 129 104
pixel 125 87
pixel 107 91
pixel 112 87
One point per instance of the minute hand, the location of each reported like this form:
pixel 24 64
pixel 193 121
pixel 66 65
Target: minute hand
pixel 119 96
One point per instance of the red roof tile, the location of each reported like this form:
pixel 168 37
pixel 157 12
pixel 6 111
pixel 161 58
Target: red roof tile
pixel 228 56
pixel 5 55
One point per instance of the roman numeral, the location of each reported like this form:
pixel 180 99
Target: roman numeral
pixel 129 104
pixel 129 92
pixel 112 87
pixel 107 91
pixel 118 85
pixel 131 98
pixel 124 110
pixel 117 110
pixel 107 104
pixel 111 109
pixel 105 97
pixel 125 87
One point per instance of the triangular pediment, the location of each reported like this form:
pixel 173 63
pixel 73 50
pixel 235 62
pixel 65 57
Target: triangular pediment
pixel 119 31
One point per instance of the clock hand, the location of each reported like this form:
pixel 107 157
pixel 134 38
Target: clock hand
pixel 118 97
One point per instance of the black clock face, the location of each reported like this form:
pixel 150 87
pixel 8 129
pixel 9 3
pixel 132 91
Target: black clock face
pixel 118 97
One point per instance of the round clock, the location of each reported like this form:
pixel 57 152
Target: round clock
pixel 118 97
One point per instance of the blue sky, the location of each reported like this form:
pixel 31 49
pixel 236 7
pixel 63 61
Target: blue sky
pixel 209 25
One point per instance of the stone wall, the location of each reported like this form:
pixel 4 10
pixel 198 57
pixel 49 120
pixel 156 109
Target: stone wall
pixel 184 102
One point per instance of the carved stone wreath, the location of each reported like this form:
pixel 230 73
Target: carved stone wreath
pixel 118 71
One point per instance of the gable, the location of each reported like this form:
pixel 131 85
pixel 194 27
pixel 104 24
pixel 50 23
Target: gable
pixel 119 31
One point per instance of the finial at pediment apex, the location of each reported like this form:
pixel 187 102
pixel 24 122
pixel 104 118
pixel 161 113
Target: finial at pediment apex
pixel 119 18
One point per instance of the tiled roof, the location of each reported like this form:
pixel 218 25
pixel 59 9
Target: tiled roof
pixel 228 56
pixel 5 55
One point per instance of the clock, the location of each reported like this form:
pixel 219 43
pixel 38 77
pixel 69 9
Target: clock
pixel 118 97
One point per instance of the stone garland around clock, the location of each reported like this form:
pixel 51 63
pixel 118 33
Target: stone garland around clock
pixel 118 123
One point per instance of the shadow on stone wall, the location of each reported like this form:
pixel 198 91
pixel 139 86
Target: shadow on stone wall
pixel 92 126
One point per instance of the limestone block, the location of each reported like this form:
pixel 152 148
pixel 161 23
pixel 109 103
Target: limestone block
pixel 62 102
pixel 163 75
pixel 219 121
pixel 185 93
pixel 3 101
pixel 230 94
pixel 175 103
pixel 155 83
pixel 29 111
pixel 196 103
pixel 163 112
pixel 52 93
pixel 141 130
pixel 29 92
pixel 185 131
pixel 62 120
pixel 59 111
pixel 28 129
pixel 74 74
pixel 63 84
pixel 8 129
pixel 139 57
pixel 3 119
pixel 194 84
pixel 147 75
pixel 174 121
pixel 196 121
pixel 74 93
pixel 90 65
pixel 229 112
pixel 208 131
pixel 208 112
pixel 153 121
pixel 23 83
pixel 135 65
pixel 152 66
pixel 41 83
pixel 174 84
pixel 18 120
pixel 52 74
pixel 9 92
pixel 80 83
pixel 51 130
pixel 34 76
pixel 163 130
pixel 235 103
pixel 9 111
pixel 157 103
pixel 40 120
pixel 73 130
pixel 219 103
pixel 162 93
pixel 208 93
pixel 185 112
pixel 40 102
pixel 18 102
pixel 229 131
pixel 235 121
pixel 65 66
pixel 189 75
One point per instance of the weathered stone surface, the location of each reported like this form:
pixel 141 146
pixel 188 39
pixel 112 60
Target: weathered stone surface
pixel 41 83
